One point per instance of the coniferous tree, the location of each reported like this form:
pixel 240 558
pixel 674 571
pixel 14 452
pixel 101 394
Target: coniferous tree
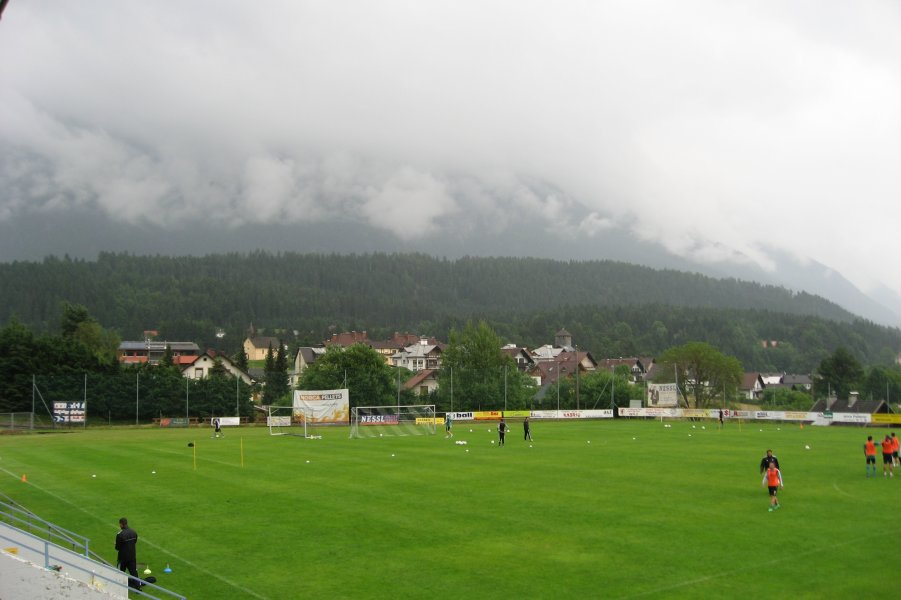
pixel 240 359
pixel 279 378
pixel 277 389
pixel 270 393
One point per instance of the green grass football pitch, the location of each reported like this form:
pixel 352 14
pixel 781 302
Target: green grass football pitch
pixel 601 509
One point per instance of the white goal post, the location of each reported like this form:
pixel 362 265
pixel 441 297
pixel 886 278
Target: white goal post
pixel 381 421
pixel 289 420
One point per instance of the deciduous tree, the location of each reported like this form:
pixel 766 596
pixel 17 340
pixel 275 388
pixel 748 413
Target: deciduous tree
pixel 369 380
pixel 838 374
pixel 703 372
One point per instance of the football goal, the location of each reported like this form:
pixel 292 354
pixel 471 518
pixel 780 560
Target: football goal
pixel 380 421
pixel 290 420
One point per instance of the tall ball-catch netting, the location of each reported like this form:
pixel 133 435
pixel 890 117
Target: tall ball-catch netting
pixel 16 421
pixel 382 421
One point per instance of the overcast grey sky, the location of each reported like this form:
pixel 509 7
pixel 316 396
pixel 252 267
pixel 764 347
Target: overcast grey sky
pixel 723 130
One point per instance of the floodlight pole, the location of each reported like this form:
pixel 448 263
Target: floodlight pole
pixel 577 377
pixel 505 388
pixel 137 395
pixel 612 386
pixel 187 399
pixel 452 389
pixel 558 390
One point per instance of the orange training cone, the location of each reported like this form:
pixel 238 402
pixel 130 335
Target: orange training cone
pixel 24 479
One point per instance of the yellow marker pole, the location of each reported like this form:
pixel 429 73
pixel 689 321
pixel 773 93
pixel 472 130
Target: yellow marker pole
pixel 242 450
pixel 195 456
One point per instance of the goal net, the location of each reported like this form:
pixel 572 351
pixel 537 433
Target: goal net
pixel 289 420
pixel 379 421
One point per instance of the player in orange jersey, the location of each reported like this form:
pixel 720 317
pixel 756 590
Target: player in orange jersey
pixel 895 448
pixel 773 480
pixel 869 450
pixel 888 463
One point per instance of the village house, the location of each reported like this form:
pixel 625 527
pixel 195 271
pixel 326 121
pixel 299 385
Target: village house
pixel 152 352
pixel 256 347
pixel 201 366
pixel 419 356
pixel 423 383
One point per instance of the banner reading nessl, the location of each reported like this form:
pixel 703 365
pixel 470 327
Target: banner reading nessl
pixel 662 395
pixel 330 407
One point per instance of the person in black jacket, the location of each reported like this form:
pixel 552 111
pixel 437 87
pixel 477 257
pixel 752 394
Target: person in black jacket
pixel 127 559
pixel 768 460
pixel 501 431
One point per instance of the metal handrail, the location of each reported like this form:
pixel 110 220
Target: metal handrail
pixel 11 511
pixel 28 521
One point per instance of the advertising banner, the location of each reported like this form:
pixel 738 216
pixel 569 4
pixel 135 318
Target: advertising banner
pixel 885 418
pixel 174 422
pixel 488 415
pixel 517 414
pixel 378 420
pixel 701 413
pixel 663 395
pixel 461 416
pixel 850 417
pixel 68 412
pixel 583 414
pixel 323 406
pixel 769 415
pixel 650 412
pixel 795 415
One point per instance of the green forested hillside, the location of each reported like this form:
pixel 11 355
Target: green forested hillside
pixel 611 308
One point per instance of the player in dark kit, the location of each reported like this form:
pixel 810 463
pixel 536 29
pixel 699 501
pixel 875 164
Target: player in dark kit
pixel 768 460
pixel 126 540
pixel 526 430
pixel 501 432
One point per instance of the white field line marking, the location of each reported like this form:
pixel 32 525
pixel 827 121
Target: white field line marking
pixel 840 490
pixel 148 542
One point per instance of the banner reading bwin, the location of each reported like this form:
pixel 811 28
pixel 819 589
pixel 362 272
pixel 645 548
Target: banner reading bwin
pixel 330 407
